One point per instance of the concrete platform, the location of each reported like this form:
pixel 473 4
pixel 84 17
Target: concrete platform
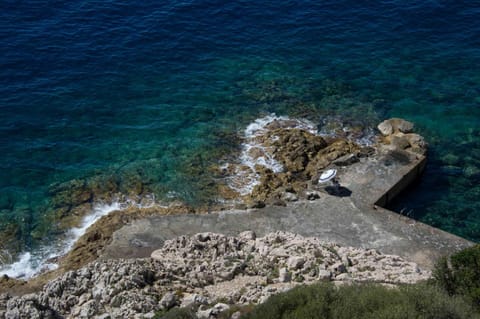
pixel 352 217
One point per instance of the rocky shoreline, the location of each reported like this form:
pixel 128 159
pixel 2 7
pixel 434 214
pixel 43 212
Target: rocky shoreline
pixel 212 271
pixel 208 272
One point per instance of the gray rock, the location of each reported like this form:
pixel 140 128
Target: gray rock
pixel 194 300
pixel 338 268
pixel 247 235
pixel 89 309
pixel 346 261
pixel 204 314
pixel 344 276
pixel 289 197
pixel 284 275
pixel 295 262
pixel 236 315
pixel 203 237
pixel 324 274
pixel 169 300
pixel 219 308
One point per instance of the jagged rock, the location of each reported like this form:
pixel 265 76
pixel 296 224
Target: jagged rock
pixel 338 267
pixel 284 275
pixel 195 267
pixel 346 261
pixel 219 308
pixel 247 235
pixel 89 309
pixel 324 274
pixel 168 300
pixel 194 300
pixel 295 262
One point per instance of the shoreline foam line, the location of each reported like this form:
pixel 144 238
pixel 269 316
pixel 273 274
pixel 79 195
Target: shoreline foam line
pixel 31 263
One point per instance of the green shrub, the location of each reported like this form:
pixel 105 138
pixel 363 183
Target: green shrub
pixel 363 302
pixel 177 313
pixel 460 274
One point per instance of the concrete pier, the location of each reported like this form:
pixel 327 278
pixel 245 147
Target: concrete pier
pixel 353 217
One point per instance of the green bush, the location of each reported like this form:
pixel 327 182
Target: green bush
pixel 177 313
pixel 363 302
pixel 460 274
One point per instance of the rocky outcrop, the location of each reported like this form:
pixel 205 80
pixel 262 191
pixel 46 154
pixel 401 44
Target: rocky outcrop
pixel 283 157
pixel 399 135
pixel 207 272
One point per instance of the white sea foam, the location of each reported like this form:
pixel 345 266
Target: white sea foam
pixel 33 262
pixel 244 178
pixel 254 153
pixel 333 126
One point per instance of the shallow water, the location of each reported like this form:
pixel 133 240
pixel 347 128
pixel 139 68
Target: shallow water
pixel 154 93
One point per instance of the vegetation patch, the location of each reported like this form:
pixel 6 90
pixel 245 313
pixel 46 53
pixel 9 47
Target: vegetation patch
pixel 363 301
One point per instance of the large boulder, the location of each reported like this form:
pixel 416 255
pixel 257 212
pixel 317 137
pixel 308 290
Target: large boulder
pixel 395 125
pixel 398 135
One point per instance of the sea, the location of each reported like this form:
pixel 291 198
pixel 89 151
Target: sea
pixel 147 96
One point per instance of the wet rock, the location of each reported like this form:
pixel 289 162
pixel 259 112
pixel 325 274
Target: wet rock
pixel 471 171
pixel 72 193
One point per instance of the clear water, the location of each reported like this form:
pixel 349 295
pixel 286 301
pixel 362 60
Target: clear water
pixel 158 91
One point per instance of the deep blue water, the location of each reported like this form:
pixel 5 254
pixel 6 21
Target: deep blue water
pixel 155 90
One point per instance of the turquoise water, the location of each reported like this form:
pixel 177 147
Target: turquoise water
pixel 153 94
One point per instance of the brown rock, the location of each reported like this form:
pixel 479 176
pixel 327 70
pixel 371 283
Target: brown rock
pixel 399 141
pixel 397 125
pixel 385 128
